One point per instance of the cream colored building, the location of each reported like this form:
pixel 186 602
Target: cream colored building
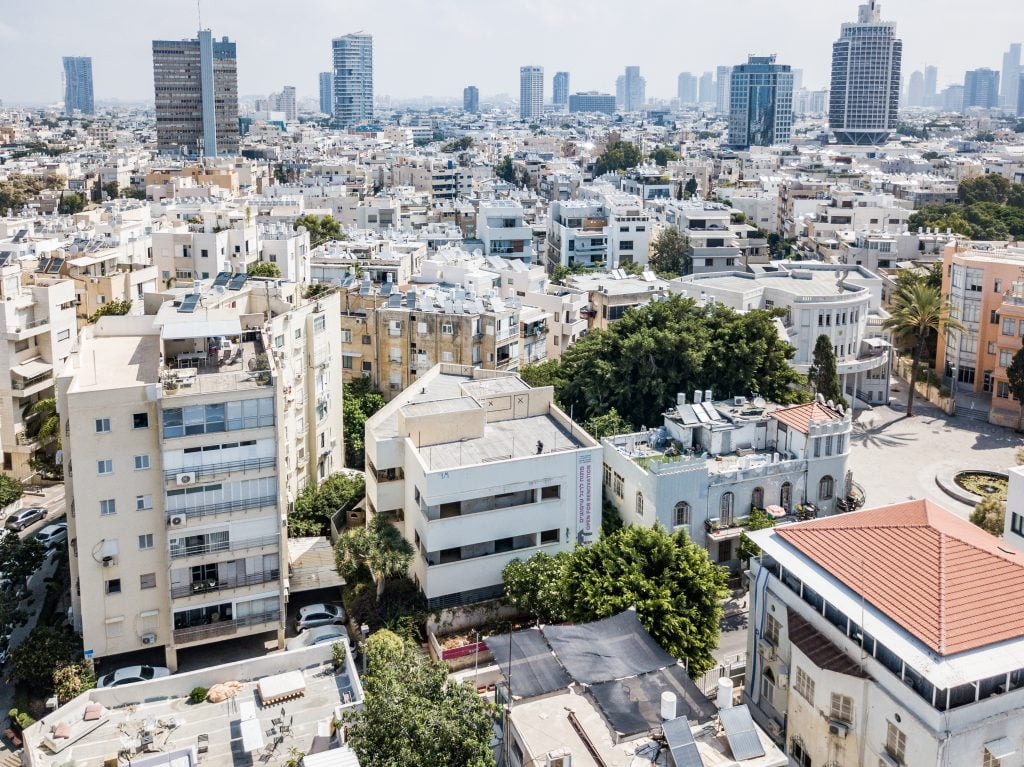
pixel 180 477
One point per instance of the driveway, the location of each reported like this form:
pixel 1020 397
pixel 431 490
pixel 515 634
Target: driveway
pixel 895 458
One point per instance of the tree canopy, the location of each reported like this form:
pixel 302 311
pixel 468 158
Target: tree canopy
pixel 322 229
pixel 606 425
pixel 116 308
pixel 45 648
pixel 18 189
pixel 505 170
pixel 71 202
pixel 535 586
pixel 618 155
pixel 668 252
pixel 990 515
pixel 359 403
pixel 263 269
pixel 316 504
pixel 20 558
pixel 10 490
pixel 691 188
pixel 991 208
pixel 458 145
pixel 823 377
pixel 413 715
pixel 378 546
pixel 663 156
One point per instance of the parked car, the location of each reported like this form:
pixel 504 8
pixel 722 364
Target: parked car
pixel 318 615
pixel 53 534
pixel 131 675
pixel 19 520
pixel 319 635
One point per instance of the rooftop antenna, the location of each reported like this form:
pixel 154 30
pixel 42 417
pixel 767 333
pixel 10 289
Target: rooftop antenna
pixel 199 12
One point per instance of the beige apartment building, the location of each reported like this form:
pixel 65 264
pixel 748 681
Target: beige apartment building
pixel 188 434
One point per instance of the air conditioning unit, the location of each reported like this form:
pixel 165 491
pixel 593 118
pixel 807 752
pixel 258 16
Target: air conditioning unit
pixel 109 560
pixel 774 728
pixel 737 401
pixel 838 729
pixel 177 520
pixel 765 649
pixel 149 639
pixel 560 758
pixel 188 478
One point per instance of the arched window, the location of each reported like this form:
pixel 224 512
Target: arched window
pixel 725 508
pixel 681 514
pixel 768 686
pixel 825 488
pixel 757 498
pixel 786 496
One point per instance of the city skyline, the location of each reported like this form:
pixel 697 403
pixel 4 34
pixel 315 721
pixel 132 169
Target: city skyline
pixel 541 30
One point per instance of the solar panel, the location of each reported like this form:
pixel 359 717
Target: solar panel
pixel 741 733
pixel 43 263
pixel 395 301
pixel 222 279
pixel 54 266
pixel 5 256
pixel 680 743
pixel 237 281
pixel 385 289
pixel 189 304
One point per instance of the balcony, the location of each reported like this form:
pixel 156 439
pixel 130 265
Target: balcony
pixel 198 549
pixel 219 629
pixel 243 366
pixel 224 507
pixel 31 385
pixel 213 585
pixel 214 469
pixel 25 326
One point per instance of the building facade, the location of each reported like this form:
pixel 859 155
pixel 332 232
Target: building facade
pixel 191 120
pixel 78 95
pixel 686 89
pixel 353 79
pixel 531 92
pixel 864 98
pixel 1010 80
pixel 592 101
pixel 470 99
pixel 560 89
pixel 631 90
pixel 326 93
pixel 760 103
pixel 981 89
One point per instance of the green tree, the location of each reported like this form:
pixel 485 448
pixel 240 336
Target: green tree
pixel 539 374
pixel 691 188
pixel 1015 381
pixel 668 252
pixel 317 504
pixel 618 155
pixel 116 308
pixel 378 546
pixel 606 425
pixel 823 377
pixel 413 715
pixel 322 229
pixel 71 680
pixel 11 614
pixel 919 311
pixel 663 156
pixel 675 588
pixel 10 490
pixel 43 650
pixel 43 423
pixel 611 520
pixel 359 403
pixel 941 217
pixel 759 519
pixel 20 558
pixel 133 193
pixel 990 515
pixel 990 187
pixel 263 269
pixel 505 170
pixel 535 586
pixel 71 203
pixel 111 189
pixel 18 189
pixel 458 145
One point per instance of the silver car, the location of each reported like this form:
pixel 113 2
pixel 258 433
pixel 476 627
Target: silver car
pixel 19 520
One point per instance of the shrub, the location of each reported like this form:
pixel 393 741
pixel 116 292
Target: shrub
pixel 198 695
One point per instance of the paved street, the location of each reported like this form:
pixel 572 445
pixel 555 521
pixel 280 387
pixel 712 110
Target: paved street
pixel 895 458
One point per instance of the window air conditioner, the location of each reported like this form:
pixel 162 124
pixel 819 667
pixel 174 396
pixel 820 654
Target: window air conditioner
pixel 149 639
pixel 177 520
pixel 109 560
pixel 560 758
pixel 838 729
pixel 188 478
pixel 765 649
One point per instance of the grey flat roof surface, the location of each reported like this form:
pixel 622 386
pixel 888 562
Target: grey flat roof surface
pixel 502 441
pixel 633 705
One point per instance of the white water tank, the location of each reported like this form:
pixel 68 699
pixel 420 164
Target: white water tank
pixel 724 693
pixel 668 705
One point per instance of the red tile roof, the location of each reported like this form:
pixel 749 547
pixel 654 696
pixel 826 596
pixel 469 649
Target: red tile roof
pixel 944 580
pixel 800 417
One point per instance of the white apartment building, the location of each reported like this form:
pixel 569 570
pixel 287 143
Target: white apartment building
pixel 38 329
pixel 858 210
pixel 378 259
pixel 716 244
pixel 864 649
pixel 201 251
pixel 188 433
pixel 609 229
pixel 839 301
pixel 288 249
pixel 501 226
pixel 710 463
pixel 477 469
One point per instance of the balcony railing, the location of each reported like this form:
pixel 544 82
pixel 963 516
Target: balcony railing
pixel 180 552
pixel 224 628
pixel 28 383
pixel 249 464
pixel 224 507
pixel 211 585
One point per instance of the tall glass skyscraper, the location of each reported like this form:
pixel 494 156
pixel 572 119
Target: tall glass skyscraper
pixel 327 92
pixel 471 99
pixel 560 91
pixel 865 95
pixel 531 92
pixel 353 79
pixel 78 84
pixel 760 103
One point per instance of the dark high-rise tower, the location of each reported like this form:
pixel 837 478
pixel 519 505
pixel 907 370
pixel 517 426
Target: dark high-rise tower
pixel 470 99
pixel 560 89
pixel 78 84
pixel 760 103
pixel 327 92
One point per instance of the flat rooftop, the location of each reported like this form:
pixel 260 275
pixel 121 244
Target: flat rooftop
pixel 808 282
pixel 117 362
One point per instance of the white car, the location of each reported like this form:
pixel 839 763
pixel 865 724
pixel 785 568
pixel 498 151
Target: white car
pixel 131 675
pixel 319 635
pixel 53 534
pixel 318 615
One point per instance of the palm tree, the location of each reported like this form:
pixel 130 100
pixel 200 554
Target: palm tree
pixel 42 421
pixel 919 311
pixel 379 546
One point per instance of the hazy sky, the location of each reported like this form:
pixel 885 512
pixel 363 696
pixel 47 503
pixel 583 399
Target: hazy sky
pixel 435 47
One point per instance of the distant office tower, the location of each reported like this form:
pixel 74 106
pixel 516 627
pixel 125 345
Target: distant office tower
pixel 1020 97
pixel 531 92
pixel 952 98
pixel 931 86
pixel 865 95
pixel 353 79
pixel 686 88
pixel 760 103
pixel 915 90
pixel 706 89
pixel 78 84
pixel 592 101
pixel 470 99
pixel 285 102
pixel 798 80
pixel 722 83
pixel 631 90
pixel 327 92
pixel 981 89
pixel 1011 76
pixel 196 88
pixel 560 89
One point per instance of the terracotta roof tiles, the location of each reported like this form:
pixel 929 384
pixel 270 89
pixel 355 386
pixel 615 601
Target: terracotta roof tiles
pixel 800 417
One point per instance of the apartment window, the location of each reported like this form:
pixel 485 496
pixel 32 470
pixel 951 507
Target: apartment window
pixel 626 245
pixel 319 323
pixel 204 253
pixel 147 581
pixel 105 467
pixel 798 751
pixel 223 416
pixel 639 504
pixel 146 541
pixel 725 508
pixel 1002 390
pixel 771 630
pixel 606 475
pixel 991 347
pixel 1017 524
pixel 102 425
pixel 817 448
pixel 804 685
pixel 768 686
pixel 114 586
pixel 108 507
pixel 346 363
pixel 279 341
pixel 141 462
pixel 143 502
pixel 681 514
pixel 1005 359
pixel 842 708
pixel 895 742
pixel 367 340
pixel 988 759
pixel 64 335
pixel 825 488
pixel 1009 326
pixel 549 536
pixel 346 336
pixel 550 491
pixel 617 484
pixel 140 420
pixel 446 357
pixel 447 329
